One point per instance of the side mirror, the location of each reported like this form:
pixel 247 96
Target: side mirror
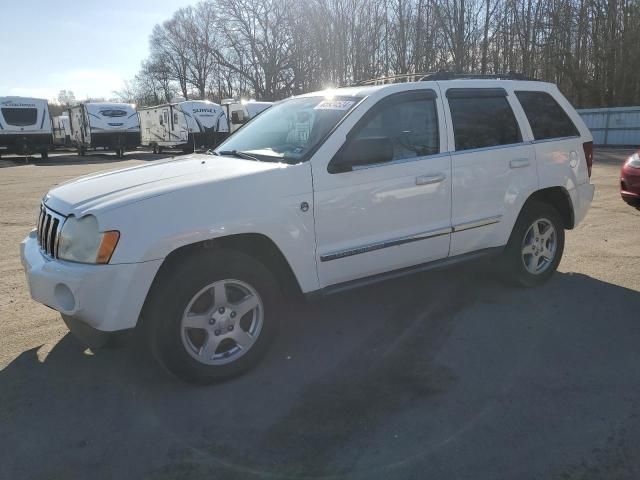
pixel 363 151
pixel 238 118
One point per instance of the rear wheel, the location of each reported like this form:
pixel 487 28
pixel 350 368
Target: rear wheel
pixel 536 245
pixel 212 316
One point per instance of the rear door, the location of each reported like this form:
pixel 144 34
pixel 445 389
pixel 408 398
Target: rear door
pixel 493 168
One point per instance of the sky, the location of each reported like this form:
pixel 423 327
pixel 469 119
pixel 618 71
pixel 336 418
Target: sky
pixel 87 46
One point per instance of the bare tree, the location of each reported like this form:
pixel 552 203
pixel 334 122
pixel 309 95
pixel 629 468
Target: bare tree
pixel 269 49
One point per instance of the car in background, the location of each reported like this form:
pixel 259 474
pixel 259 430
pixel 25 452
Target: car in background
pixel 630 180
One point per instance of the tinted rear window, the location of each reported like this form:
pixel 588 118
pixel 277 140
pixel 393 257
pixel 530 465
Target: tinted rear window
pixel 546 117
pixel 483 122
pixel 20 117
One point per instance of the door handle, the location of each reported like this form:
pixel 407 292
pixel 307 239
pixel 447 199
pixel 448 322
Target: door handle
pixel 430 179
pixel 519 163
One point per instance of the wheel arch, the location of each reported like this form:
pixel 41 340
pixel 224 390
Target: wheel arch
pixel 255 245
pixel 559 198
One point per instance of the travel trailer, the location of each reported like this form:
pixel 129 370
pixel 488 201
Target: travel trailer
pixel 188 125
pixel 240 112
pixel 111 126
pixel 25 126
pixel 61 131
pixel 253 108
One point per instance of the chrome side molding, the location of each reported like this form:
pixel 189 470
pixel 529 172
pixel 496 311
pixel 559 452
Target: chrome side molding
pixel 483 222
pixel 385 244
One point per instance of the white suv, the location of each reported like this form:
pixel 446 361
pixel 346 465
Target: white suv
pixel 322 192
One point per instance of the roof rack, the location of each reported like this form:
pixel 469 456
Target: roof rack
pixel 400 78
pixel 441 75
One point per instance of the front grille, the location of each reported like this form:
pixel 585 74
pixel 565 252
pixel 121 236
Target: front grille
pixel 49 226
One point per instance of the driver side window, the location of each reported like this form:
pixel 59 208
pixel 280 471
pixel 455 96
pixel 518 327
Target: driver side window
pixel 410 124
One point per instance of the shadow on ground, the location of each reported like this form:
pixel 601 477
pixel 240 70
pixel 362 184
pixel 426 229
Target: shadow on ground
pixel 443 375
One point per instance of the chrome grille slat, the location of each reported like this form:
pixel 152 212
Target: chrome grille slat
pixel 45 231
pixel 40 222
pixel 48 231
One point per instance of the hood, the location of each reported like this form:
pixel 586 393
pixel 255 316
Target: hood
pixel 104 191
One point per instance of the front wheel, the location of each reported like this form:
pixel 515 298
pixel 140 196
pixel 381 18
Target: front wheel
pixel 536 245
pixel 212 316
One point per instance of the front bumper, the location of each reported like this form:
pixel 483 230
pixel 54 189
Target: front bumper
pixel 631 198
pixel 106 298
pixel 630 185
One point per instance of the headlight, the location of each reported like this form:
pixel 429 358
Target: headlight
pixel 80 241
pixel 634 160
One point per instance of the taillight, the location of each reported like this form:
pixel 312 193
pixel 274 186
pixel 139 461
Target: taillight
pixel 588 154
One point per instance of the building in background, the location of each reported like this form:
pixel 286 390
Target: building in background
pixel 619 126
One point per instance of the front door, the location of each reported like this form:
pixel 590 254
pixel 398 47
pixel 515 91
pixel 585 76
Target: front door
pixel 386 216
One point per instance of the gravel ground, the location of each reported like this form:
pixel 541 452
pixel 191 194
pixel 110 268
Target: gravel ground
pixel 443 375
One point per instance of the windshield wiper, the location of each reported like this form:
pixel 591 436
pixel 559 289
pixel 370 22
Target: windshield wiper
pixel 237 153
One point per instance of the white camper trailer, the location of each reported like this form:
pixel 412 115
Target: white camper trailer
pixel 240 112
pixel 253 108
pixel 25 126
pixel 108 125
pixel 188 125
pixel 61 131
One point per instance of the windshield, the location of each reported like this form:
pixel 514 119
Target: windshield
pixel 290 130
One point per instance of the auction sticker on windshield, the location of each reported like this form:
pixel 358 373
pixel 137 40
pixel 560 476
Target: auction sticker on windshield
pixel 334 105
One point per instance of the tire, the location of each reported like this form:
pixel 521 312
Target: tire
pixel 532 256
pixel 186 286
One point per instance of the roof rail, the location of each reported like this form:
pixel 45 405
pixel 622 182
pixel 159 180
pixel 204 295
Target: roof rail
pixel 443 75
pixel 400 78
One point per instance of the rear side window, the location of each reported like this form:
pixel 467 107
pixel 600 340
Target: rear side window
pixel 546 117
pixel 20 117
pixel 482 119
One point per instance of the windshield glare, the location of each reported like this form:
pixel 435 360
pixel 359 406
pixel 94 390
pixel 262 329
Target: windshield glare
pixel 290 130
